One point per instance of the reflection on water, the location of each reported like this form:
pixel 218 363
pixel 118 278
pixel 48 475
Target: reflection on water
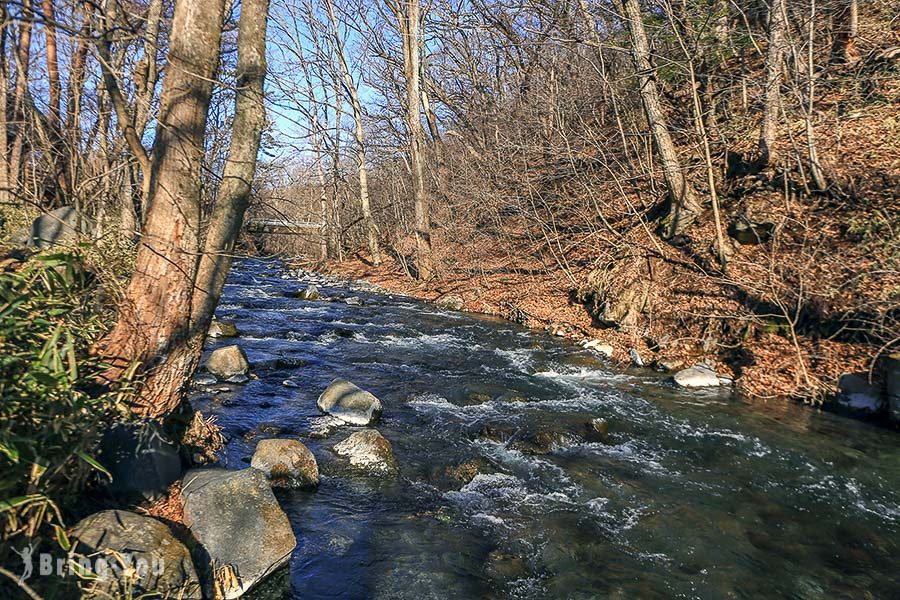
pixel 693 495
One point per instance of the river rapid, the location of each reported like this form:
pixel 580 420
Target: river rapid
pixel 692 495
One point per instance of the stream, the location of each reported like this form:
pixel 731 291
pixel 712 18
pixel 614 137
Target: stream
pixel 693 494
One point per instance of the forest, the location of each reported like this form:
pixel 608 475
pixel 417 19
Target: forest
pixel 666 185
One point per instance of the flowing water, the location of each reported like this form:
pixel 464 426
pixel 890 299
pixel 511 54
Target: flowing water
pixel 693 495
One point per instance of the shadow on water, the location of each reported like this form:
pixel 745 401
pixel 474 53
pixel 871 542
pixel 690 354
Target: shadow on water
pixel 695 495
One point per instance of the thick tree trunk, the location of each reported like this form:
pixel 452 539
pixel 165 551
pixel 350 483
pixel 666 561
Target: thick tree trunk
pixel 20 98
pixel 774 65
pixel 846 29
pixel 155 328
pixel 234 193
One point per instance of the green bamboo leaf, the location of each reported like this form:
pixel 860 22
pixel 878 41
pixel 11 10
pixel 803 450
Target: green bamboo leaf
pixel 93 462
pixel 62 539
pixel 9 504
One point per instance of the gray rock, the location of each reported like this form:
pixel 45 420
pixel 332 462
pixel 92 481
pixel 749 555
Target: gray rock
pixel 636 359
pixel 599 347
pixel 240 526
pixel 62 226
pixel 696 377
pixel 204 380
pixel 141 458
pixel 353 301
pixel 223 329
pixel 227 362
pixel 161 563
pixel 310 293
pixel 369 452
pixel 892 385
pixel 855 391
pixel 349 403
pixel 745 231
pixel 450 302
pixel 287 463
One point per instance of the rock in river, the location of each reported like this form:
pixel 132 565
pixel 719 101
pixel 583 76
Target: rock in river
pixel 240 526
pixel 369 452
pixel 450 302
pixel 287 463
pixel 349 403
pixel 228 362
pixel 310 293
pixel 161 564
pixel 223 329
pixel 697 376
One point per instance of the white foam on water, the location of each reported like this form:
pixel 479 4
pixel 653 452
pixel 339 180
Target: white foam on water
pixel 522 359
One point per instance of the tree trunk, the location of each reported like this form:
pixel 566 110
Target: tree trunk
pixel 685 205
pixel 20 98
pixel 5 183
pixel 774 64
pixel 359 135
pixel 234 193
pixel 155 326
pixel 846 28
pixel 409 28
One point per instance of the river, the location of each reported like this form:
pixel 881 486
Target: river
pixel 693 494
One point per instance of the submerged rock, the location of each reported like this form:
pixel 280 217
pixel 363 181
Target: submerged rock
pixel 243 532
pixel 349 403
pixel 542 442
pixel 369 452
pixel 223 329
pixel 161 564
pixel 141 458
pixel 697 376
pixel 450 302
pixel 228 362
pixel 287 463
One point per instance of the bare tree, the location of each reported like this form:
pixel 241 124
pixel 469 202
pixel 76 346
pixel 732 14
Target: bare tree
pixel 774 68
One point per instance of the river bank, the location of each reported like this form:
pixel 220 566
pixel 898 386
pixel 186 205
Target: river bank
pixel 764 365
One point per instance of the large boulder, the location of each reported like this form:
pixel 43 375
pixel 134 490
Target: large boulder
pixel 369 452
pixel 141 458
pixel 243 532
pixel 892 385
pixel 350 403
pixel 113 539
pixel 228 363
pixel 287 463
pixel 62 226
pixel 615 296
pixel 697 376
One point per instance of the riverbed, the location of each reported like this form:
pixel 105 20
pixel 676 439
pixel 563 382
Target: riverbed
pixel 693 494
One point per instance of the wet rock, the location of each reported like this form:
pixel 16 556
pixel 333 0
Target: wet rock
pixel 161 564
pixel 240 526
pixel 542 442
pixel 369 452
pixel 287 463
pixel 344 333
pixel 464 473
pixel 238 379
pixel 219 329
pixel 745 231
pixel 324 427
pixel 310 293
pixel 696 377
pixel 600 426
pixel 599 347
pixel 855 392
pixel 892 385
pixel 62 226
pixel 667 366
pixel 353 301
pixel 142 459
pixel 204 380
pixel 505 567
pixel 450 302
pixel 497 432
pixel 636 359
pixel 349 403
pixel 227 362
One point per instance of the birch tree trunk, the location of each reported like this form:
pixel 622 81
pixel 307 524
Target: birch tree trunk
pixel 774 65
pixel 685 205
pixel 359 135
